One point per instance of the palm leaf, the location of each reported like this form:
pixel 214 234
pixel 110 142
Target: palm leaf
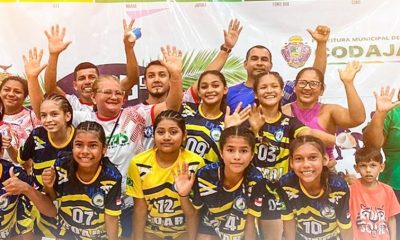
pixel 194 64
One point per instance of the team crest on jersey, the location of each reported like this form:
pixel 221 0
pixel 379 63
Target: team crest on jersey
pixel 240 203
pixel 279 134
pixel 328 211
pixel 148 132
pixel 3 202
pixel 98 200
pixel 215 134
pixel 295 52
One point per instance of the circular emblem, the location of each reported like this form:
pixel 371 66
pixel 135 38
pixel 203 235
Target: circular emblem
pixel 240 203
pixel 328 212
pixel 148 132
pixel 215 134
pixel 98 200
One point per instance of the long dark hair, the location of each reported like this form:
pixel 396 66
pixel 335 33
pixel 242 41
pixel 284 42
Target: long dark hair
pixel 248 135
pixel 171 115
pixel 96 129
pixel 257 83
pixel 221 77
pixel 318 144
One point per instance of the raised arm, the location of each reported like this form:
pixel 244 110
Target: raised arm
pixel 132 68
pixel 231 36
pixel 32 70
pixel 354 115
pixel 321 36
pixel 184 181
pixel 374 135
pixel 56 45
pixel 15 186
pixel 173 62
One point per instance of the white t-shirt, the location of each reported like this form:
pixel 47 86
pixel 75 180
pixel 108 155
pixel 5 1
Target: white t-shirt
pixel 77 105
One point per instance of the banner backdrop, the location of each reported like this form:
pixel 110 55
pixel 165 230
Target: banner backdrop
pixel 363 30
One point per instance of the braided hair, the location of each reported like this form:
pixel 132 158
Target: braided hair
pixel 96 129
pixel 236 131
pixel 62 102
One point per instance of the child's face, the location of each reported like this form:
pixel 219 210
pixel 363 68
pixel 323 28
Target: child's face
pixel 212 89
pixel 307 163
pixel 168 136
pixel 269 91
pixel 237 154
pixel 52 116
pixel 87 149
pixel 369 171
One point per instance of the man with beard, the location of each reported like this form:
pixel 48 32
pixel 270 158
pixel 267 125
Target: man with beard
pixel 259 60
pixel 85 73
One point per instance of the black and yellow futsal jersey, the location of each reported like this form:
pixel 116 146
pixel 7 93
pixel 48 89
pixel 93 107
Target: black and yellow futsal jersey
pixel 272 155
pixel 202 133
pixel 15 210
pixel 223 211
pixel 43 151
pixel 317 217
pixel 82 205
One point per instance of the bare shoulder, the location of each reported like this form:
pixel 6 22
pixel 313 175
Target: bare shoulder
pixel 287 110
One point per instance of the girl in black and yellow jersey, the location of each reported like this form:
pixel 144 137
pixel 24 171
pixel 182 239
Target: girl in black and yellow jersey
pixel 205 122
pixel 227 195
pixel 157 209
pixel 44 145
pixel 316 201
pixel 87 187
pixel 15 216
pixel 275 131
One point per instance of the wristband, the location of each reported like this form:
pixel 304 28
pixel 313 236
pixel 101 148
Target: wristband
pixel 225 49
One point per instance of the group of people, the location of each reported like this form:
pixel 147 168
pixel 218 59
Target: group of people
pixel 250 161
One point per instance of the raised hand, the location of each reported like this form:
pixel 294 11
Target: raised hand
pixel 256 119
pixel 56 39
pixel 320 34
pixel 237 117
pixel 172 59
pixel 384 100
pixel 184 180
pixel 348 74
pixel 129 41
pixel 32 64
pixel 49 177
pixel 232 35
pixel 350 178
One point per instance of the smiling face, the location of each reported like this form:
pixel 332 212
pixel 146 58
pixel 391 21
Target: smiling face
pixel 258 61
pixel 236 154
pixel 12 94
pixel 87 149
pixel 268 90
pixel 211 89
pixel 83 82
pixel 157 81
pixel 108 96
pixel 307 163
pixel 52 116
pixel 309 87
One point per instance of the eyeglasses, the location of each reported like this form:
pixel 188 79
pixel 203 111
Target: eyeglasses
pixel 109 93
pixel 304 83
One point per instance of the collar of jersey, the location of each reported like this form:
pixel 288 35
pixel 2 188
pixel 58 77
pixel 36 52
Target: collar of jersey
pixel 275 119
pixel 87 104
pixel 71 135
pixel 309 195
pixel 94 177
pixel 202 114
pixel 234 188
pixel 104 119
